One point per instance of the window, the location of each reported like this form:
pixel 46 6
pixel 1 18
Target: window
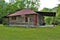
pixel 14 18
pixel 26 19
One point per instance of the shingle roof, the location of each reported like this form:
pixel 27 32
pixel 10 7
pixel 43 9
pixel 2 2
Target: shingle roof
pixel 22 12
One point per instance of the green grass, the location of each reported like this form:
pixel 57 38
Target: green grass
pixel 16 33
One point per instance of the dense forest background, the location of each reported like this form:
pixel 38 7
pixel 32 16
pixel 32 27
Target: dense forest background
pixel 16 5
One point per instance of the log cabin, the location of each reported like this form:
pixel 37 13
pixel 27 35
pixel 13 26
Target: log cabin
pixel 28 17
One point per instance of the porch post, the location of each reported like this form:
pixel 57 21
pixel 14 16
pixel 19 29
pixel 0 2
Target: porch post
pixel 35 19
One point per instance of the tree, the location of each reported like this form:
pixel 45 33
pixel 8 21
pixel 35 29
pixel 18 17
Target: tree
pixel 6 8
pixel 58 14
pixel 21 4
pixel 48 10
pixel 3 6
pixel 30 4
pixel 58 11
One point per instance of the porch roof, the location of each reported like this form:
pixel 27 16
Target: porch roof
pixel 47 13
pixel 23 12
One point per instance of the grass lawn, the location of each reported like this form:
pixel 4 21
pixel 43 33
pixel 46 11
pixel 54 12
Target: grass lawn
pixel 16 33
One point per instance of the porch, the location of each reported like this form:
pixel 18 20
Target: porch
pixel 23 20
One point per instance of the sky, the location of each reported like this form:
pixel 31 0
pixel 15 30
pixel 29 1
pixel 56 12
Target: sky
pixel 7 0
pixel 46 3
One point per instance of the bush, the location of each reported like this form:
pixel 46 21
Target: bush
pixel 48 20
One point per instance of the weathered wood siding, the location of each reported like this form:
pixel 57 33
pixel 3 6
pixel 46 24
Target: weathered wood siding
pixel 20 20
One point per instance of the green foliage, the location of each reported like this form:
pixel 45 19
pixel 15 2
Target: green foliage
pixel 58 11
pixel 3 6
pixel 46 10
pixel 49 20
pixel 6 8
pixel 30 4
